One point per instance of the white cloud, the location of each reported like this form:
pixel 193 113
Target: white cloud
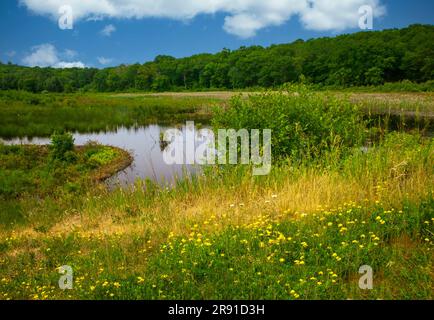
pixel 244 17
pixel 108 30
pixel 104 61
pixel 43 55
pixel 338 15
pixel 65 65
pixel 243 25
pixel 46 55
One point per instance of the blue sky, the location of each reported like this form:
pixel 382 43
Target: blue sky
pixel 30 31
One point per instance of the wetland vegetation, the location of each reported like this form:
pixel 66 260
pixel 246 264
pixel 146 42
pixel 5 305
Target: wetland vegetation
pixel 351 182
pixel 344 191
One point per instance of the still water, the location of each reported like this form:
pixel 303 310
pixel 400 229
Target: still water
pixel 143 144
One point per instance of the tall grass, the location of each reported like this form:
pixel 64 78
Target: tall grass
pixel 400 86
pixel 26 114
pixel 119 237
pixel 301 232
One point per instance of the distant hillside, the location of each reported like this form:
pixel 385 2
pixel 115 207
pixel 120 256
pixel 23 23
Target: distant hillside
pixel 364 58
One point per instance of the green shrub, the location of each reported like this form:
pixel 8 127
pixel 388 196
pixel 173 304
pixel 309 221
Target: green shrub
pixel 70 156
pixel 61 146
pixel 304 124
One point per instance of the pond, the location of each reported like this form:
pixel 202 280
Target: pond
pixel 143 143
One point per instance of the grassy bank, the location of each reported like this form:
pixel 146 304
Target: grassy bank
pixel 32 175
pixel 328 206
pixel 235 236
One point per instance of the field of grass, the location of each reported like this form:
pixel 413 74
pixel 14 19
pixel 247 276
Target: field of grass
pixel 28 114
pixel 328 206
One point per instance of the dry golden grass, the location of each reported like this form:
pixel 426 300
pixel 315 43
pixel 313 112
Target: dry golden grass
pixel 397 102
pixel 409 104
pixel 220 208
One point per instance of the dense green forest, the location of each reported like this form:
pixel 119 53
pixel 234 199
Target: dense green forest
pixel 364 58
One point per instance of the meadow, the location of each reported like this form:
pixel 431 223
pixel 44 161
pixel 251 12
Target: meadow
pixel 344 191
pixel 29 114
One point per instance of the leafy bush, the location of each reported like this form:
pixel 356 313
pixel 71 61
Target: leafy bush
pixel 70 156
pixel 61 146
pixel 304 124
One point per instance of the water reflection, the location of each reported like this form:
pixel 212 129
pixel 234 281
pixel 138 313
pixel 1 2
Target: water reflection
pixel 145 146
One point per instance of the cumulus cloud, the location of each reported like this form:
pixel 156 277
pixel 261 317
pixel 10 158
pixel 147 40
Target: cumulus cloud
pixel 46 55
pixel 108 30
pixel 243 25
pixel 43 55
pixel 104 61
pixel 65 65
pixel 243 17
pixel 338 15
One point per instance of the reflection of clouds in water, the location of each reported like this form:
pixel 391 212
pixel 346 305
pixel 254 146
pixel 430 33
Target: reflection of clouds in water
pixel 143 143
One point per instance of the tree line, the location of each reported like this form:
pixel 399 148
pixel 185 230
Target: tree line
pixel 359 59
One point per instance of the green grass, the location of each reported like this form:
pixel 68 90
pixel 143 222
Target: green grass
pixel 302 232
pixel 312 256
pixel 30 175
pixel 118 250
pixel 27 114
pixel 285 256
